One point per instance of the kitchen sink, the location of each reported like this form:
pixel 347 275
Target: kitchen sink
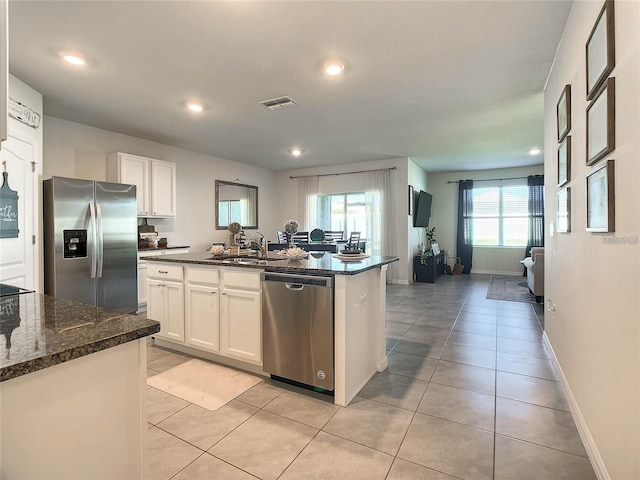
pixel 249 261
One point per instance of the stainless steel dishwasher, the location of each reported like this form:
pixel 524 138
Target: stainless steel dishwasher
pixel 297 328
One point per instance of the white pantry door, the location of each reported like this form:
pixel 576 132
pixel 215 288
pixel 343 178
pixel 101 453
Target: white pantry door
pixel 18 255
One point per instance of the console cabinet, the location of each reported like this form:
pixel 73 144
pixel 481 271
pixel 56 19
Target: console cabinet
pixel 155 182
pixel 431 271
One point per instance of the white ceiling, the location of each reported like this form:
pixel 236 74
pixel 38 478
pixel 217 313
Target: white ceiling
pixel 454 85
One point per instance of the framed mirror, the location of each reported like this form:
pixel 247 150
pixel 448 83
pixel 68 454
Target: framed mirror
pixel 236 202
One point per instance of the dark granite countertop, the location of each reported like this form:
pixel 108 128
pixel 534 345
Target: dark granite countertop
pixel 38 331
pixel 168 247
pixel 317 263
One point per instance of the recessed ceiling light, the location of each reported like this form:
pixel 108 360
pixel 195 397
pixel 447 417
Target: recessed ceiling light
pixel 333 68
pixel 535 151
pixel 296 152
pixel 73 58
pixel 195 107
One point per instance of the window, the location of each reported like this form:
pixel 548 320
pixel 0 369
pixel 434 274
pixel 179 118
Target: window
pixel 343 211
pixel 228 211
pixel 500 216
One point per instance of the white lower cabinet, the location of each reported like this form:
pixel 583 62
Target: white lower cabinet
pixel 142 285
pixel 240 326
pixel 222 309
pixel 165 303
pixel 202 320
pixel 165 299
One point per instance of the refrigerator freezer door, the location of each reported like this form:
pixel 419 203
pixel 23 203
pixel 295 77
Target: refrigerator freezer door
pixel 66 208
pixel 117 246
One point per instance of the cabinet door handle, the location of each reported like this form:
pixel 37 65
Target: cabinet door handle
pixel 224 293
pixel 213 293
pixel 162 271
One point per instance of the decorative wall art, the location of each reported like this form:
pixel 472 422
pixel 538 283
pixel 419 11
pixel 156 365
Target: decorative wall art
pixel 600 50
pixel 8 208
pixel 563 113
pixel 564 161
pixel 601 123
pixel 564 210
pixel 601 199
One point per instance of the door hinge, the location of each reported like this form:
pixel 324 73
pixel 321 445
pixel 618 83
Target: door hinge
pixel 33 169
pixel 33 239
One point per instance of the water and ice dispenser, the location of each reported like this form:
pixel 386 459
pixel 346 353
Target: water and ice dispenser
pixel 75 243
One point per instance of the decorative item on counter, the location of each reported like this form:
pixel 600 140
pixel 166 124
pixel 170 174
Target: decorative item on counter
pixel 162 243
pixel 351 249
pixel 234 229
pixel 293 253
pixel 217 250
pixel 291 228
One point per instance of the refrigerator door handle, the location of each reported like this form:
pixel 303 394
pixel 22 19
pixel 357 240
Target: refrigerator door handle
pixel 100 240
pixel 92 211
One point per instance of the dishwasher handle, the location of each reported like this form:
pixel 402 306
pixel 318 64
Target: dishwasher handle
pixel 294 286
pixel 292 279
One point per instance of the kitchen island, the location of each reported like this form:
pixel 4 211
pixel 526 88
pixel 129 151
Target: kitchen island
pixel 183 296
pixel 72 390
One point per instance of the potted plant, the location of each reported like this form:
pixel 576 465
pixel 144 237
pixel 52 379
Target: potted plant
pixel 431 236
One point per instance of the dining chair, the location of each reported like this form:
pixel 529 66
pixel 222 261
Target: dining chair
pixel 301 237
pixel 354 238
pixel 333 235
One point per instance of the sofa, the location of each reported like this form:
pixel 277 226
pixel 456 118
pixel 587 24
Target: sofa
pixel 535 272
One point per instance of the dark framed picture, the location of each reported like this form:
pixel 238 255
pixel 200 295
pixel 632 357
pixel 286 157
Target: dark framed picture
pixel 410 200
pixel 563 113
pixel 601 123
pixel 564 210
pixel 564 161
pixel 601 198
pixel 601 50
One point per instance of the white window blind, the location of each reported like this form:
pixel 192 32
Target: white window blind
pixel 500 215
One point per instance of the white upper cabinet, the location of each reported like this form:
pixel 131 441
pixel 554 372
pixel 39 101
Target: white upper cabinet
pixel 155 182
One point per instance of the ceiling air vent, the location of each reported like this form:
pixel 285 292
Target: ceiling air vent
pixel 278 103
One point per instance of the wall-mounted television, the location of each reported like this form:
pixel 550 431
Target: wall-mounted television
pixel 423 210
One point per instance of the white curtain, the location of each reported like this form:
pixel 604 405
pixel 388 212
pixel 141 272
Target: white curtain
pixel 307 202
pixel 248 203
pixel 380 221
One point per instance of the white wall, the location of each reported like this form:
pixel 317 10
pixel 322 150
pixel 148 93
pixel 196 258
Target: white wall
pixel 287 204
pixel 417 178
pixel 444 216
pixel 595 285
pixel 79 151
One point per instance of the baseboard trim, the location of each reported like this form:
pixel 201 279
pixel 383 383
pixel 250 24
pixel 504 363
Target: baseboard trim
pixel 589 444
pixel 493 272
pixel 396 281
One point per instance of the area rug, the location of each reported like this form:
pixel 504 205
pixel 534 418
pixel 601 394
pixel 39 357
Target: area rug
pixel 206 384
pixel 510 288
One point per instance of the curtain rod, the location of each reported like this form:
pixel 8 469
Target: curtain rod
pixel 494 179
pixel 343 173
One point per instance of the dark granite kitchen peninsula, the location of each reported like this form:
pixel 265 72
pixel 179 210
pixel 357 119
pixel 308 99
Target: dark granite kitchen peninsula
pixel 72 389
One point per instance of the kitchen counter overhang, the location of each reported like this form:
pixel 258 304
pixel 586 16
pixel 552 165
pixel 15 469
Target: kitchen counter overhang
pixel 40 331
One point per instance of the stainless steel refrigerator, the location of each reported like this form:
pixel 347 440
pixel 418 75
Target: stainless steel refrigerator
pixel 91 242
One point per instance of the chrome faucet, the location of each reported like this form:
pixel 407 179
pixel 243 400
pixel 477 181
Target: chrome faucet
pixel 261 246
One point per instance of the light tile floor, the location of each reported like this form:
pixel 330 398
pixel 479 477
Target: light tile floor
pixel 470 393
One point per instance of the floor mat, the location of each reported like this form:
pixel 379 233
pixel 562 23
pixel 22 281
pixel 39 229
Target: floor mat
pixel 510 288
pixel 206 384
